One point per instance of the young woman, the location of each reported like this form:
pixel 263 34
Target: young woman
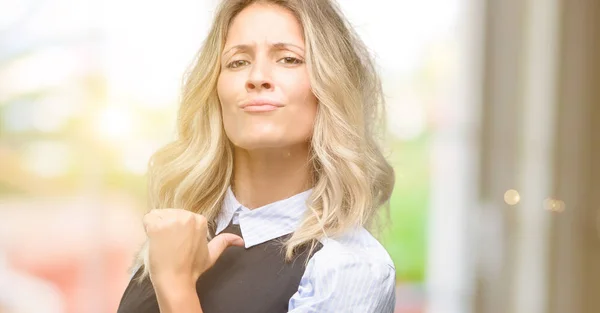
pixel 262 202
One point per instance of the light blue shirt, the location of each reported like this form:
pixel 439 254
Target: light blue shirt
pixel 353 273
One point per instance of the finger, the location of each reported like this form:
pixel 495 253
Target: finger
pixel 200 219
pixel 171 211
pixel 150 220
pixel 201 223
pixel 218 244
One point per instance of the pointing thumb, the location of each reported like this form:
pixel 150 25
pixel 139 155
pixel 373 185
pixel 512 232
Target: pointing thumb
pixel 220 242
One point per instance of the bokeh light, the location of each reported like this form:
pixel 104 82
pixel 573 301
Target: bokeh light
pixel 512 197
pixel 554 205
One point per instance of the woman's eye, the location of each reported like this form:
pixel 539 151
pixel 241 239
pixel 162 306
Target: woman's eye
pixel 237 63
pixel 291 60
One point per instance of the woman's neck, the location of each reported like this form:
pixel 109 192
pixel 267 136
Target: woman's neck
pixel 268 175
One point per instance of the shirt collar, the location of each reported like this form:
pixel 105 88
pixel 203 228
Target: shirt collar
pixel 267 222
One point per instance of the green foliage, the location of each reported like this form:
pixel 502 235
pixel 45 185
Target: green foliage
pixel 405 239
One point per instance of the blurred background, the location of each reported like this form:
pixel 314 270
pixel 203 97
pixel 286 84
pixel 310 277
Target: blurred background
pixel 494 120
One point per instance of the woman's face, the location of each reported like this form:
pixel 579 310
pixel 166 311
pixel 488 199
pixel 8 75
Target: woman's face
pixel 264 89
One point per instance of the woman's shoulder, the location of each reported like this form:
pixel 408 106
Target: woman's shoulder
pixel 344 265
pixel 355 247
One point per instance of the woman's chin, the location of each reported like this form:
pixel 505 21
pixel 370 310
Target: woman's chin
pixel 261 142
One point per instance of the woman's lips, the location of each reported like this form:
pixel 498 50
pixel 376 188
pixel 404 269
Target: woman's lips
pixel 260 108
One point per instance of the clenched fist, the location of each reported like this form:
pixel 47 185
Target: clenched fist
pixel 178 248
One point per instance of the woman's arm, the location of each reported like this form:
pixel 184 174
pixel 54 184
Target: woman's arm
pixel 176 296
pixel 178 253
pixel 337 281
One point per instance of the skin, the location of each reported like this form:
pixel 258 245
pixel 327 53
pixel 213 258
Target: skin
pixel 271 149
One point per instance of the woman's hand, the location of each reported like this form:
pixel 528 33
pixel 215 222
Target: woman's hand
pixel 178 249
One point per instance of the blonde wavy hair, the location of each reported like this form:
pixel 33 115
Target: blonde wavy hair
pixel 351 176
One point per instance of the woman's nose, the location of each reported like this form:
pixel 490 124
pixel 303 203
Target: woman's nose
pixel 259 79
pixel 255 85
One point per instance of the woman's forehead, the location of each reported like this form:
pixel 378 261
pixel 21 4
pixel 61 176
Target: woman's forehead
pixel 261 24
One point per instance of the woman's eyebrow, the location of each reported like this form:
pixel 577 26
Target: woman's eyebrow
pixel 277 45
pixel 285 45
